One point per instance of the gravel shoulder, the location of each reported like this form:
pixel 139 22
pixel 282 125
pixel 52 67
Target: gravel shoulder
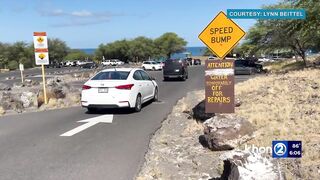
pixel 279 106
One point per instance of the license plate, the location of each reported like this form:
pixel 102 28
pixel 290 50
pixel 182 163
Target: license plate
pixel 103 90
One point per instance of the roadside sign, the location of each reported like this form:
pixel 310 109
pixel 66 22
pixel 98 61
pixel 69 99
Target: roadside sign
pixel 221 35
pixel 21 67
pixel 219 86
pixel 40 40
pixel 42 56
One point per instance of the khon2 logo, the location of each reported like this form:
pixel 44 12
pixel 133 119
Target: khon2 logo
pixel 286 149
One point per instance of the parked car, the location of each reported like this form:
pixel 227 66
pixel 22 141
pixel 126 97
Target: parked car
pixel 251 63
pixel 175 68
pixel 89 65
pixel 116 62
pixel 119 88
pixel 70 63
pixel 211 58
pixel 242 68
pixel 197 62
pixel 189 61
pixel 151 65
pixel 160 62
pixel 80 63
pixel 106 62
pixel 54 64
pixel 264 59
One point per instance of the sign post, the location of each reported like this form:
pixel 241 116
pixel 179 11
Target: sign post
pixel 21 67
pixel 41 56
pixel 220 36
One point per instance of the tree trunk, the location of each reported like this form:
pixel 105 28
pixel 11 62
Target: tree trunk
pixel 303 56
pixel 168 55
pixel 300 51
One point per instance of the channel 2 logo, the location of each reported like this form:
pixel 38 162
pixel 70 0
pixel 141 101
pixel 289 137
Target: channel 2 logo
pixel 286 149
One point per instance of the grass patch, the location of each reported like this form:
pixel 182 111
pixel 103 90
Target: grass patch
pixel 285 107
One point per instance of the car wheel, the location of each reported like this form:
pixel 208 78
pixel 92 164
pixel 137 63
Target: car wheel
pixel 259 70
pixel 143 68
pixel 166 79
pixel 153 68
pixel 156 95
pixel 183 78
pixel 138 106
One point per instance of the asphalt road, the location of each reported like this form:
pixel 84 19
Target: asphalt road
pixel 31 146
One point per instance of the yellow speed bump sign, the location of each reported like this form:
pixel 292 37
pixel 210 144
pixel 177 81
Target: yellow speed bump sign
pixel 221 35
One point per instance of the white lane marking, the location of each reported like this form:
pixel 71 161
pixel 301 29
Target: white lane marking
pixel 88 123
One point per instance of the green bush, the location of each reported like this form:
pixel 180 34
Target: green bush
pixel 28 63
pixel 12 65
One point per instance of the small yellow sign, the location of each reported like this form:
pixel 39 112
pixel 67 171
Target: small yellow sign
pixel 221 35
pixel 40 39
pixel 42 56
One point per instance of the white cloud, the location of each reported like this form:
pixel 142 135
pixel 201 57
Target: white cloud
pixel 80 22
pixel 55 12
pixel 83 13
pixel 81 17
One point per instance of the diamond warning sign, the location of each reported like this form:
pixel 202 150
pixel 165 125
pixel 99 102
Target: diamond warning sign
pixel 40 40
pixel 41 56
pixel 221 35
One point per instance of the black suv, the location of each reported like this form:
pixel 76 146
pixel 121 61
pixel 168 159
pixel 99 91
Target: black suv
pixel 249 63
pixel 247 67
pixel 175 68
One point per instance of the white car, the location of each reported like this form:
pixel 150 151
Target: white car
pixel 265 60
pixel 112 62
pixel 116 62
pixel 106 63
pixel 80 63
pixel 119 88
pixel 69 63
pixel 151 65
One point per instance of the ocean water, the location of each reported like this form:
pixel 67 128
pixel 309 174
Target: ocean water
pixel 194 51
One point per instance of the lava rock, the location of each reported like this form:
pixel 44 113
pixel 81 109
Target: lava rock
pixel 29 99
pixel 4 87
pixel 238 102
pixel 225 132
pixel 199 113
pixel 9 102
pixel 250 165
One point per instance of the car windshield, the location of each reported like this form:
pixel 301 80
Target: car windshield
pixel 111 75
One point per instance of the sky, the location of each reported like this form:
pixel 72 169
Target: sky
pixel 88 23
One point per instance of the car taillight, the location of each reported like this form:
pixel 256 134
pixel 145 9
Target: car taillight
pixel 127 86
pixel 85 87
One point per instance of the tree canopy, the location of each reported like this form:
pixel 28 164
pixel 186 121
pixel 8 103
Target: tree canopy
pixel 21 52
pixel 170 43
pixel 142 48
pixel 58 49
pixel 296 35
